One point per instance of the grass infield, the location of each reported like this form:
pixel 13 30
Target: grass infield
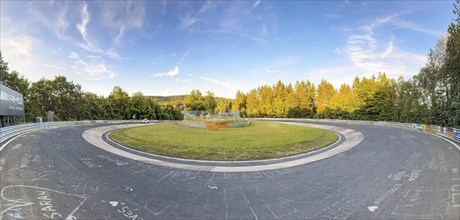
pixel 259 140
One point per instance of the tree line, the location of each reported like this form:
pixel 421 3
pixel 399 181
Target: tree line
pixel 68 102
pixel 430 97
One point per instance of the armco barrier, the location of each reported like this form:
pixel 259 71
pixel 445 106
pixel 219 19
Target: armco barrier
pixel 192 124
pixel 11 131
pixel 450 133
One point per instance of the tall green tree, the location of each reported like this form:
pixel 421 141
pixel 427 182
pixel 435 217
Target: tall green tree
pixel 119 104
pixel 252 103
pixel 306 97
pixel 240 103
pixel 451 68
pixel 142 106
pixel 195 101
pixel 210 102
pixel 325 93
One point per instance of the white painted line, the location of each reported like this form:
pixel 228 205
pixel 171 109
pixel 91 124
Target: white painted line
pixel 446 139
pixel 372 208
pixel 455 188
pixel 455 195
pixel 11 140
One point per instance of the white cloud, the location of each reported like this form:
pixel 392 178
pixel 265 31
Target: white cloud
pixel 228 85
pixel 85 20
pixel 93 69
pixel 331 16
pixel 187 22
pixel 124 17
pixel 170 73
pixel 389 49
pixel 367 54
pixel 182 58
pixel 207 6
pixel 271 70
pixel 415 27
pixel 61 23
pixel 112 54
pixel 18 45
pixel 182 80
pixel 256 4
pixel 26 55
pixel 278 64
pixel 74 55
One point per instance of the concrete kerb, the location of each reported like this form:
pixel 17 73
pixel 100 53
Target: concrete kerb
pixel 231 162
pixel 352 138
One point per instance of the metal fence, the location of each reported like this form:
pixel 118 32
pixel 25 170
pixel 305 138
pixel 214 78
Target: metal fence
pixel 11 131
pixel 450 133
pixel 206 115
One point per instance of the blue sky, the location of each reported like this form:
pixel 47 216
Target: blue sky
pixel 172 47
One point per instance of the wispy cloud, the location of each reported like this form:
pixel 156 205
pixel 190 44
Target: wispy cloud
pixel 74 55
pixel 132 17
pixel 187 22
pixel 56 19
pixel 93 68
pixel 190 18
pixel 182 80
pixel 415 27
pixel 85 20
pixel 170 73
pixel 235 20
pixel 365 52
pixel 368 53
pixel 388 50
pixel 25 54
pixel 56 22
pixel 256 4
pixel 61 23
pixel 228 85
pixel 277 65
pixel 183 58
pixel 331 16
pixel 207 5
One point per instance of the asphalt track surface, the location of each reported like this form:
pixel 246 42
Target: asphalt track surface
pixel 392 174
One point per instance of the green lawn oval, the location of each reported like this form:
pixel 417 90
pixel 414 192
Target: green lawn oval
pixel 259 140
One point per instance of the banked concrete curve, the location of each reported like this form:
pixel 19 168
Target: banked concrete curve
pixel 95 136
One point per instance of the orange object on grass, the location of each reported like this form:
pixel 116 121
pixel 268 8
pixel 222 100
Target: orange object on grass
pixel 215 127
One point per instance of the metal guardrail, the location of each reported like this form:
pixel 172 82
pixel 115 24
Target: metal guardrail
pixel 449 133
pixel 12 131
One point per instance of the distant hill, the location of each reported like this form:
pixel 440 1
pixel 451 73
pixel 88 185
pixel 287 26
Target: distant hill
pixel 172 98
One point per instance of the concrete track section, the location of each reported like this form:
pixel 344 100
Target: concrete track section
pixel 391 174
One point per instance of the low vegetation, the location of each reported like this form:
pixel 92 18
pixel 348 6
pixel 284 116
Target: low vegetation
pixel 259 140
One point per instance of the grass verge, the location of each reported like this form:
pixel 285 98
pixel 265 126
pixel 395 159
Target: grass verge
pixel 259 140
